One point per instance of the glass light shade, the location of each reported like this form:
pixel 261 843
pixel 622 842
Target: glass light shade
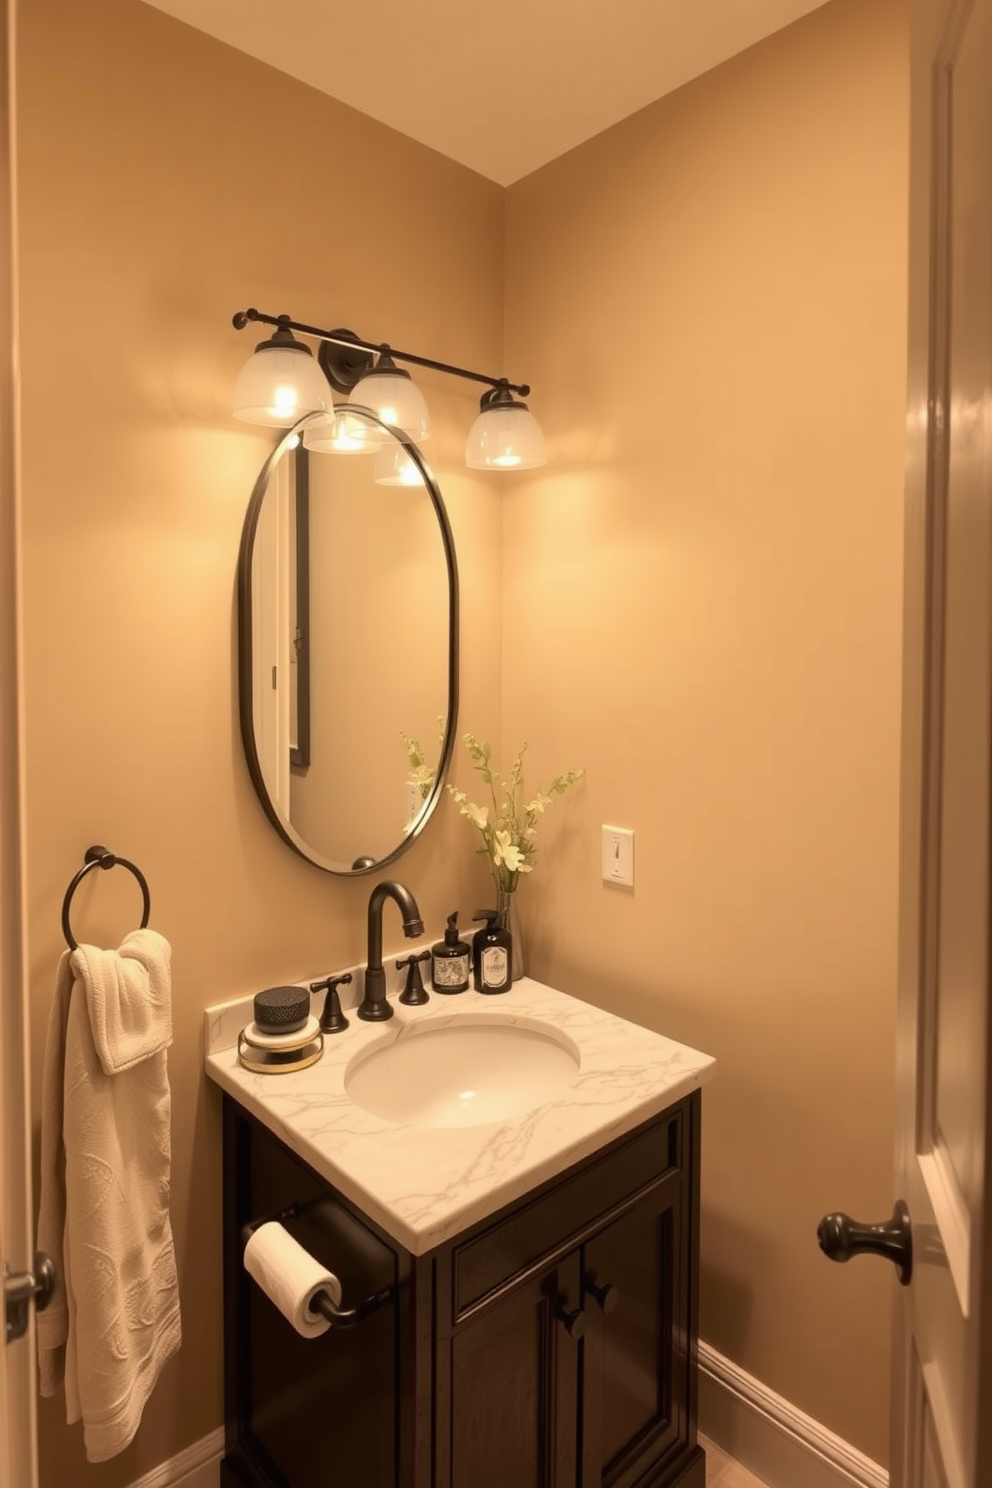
pixel 393 467
pixel 505 436
pixel 278 385
pixel 394 397
pixel 343 433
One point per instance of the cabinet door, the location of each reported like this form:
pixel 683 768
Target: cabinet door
pixel 508 1388
pixel 636 1366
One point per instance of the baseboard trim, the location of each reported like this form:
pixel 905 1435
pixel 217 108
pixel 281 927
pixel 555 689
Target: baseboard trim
pixel 770 1436
pixel 197 1466
pixel 773 1438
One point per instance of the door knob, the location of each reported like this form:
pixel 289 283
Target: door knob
pixel 20 1287
pixel 574 1323
pixel 841 1238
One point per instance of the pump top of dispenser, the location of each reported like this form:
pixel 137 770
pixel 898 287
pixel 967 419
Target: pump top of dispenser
pixel 451 933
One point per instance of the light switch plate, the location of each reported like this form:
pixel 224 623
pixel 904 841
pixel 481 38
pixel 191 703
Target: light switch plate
pixel 618 856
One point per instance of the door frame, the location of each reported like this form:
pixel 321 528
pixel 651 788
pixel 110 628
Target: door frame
pixel 18 1418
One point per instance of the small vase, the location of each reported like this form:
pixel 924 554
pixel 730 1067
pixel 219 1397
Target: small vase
pixel 509 919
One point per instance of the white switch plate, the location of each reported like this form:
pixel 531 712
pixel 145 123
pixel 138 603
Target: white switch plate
pixel 618 856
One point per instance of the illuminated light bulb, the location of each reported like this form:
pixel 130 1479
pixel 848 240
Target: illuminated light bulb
pixel 279 383
pixel 505 436
pixel 391 394
pixel 394 467
pixel 343 434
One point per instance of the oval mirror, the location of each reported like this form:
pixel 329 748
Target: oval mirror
pixel 348 644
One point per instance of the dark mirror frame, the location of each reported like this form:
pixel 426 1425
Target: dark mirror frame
pixel 299 753
pixel 244 608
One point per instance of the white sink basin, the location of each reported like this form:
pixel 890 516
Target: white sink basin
pixel 472 1072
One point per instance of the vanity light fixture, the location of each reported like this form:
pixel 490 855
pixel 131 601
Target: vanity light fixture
pixel 341 433
pixel 393 467
pixel 505 436
pixel 393 396
pixel 280 382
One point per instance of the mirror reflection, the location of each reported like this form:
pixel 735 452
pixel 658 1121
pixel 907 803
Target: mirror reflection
pixel 348 646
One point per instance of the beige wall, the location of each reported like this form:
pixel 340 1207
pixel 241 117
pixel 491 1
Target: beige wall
pixel 699 596
pixel 701 605
pixel 167 182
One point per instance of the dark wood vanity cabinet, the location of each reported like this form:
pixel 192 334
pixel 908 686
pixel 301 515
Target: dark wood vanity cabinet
pixel 553 1345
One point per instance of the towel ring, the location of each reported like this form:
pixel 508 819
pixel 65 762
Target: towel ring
pixel 100 857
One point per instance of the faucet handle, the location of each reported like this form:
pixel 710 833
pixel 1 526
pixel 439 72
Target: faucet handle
pixel 332 1019
pixel 414 994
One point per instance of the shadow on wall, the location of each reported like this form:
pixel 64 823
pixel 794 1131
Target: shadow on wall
pixel 728 1292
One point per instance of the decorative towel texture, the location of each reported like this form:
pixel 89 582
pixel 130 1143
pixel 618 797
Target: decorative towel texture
pixel 105 1162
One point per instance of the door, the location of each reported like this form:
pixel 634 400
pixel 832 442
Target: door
pixel 17 1392
pixel 941 1433
pixel 942 1333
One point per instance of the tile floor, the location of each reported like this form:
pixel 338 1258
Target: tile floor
pixel 723 1472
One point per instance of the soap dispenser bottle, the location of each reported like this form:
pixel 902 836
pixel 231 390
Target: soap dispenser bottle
pixel 450 960
pixel 492 955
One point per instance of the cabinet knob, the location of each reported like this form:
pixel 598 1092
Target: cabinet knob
pixel 574 1323
pixel 607 1295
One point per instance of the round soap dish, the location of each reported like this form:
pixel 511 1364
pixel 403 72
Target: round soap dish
pixel 285 1035
pixel 278 1056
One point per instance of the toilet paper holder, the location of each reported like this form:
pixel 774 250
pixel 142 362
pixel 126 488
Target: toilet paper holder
pixel 338 1317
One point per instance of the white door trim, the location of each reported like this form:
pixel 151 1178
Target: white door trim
pixel 18 1466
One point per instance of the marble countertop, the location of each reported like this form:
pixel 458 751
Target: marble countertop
pixel 425 1185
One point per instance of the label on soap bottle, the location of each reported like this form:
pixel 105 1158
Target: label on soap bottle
pixel 495 968
pixel 450 971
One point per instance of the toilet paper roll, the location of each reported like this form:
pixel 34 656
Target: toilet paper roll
pixel 290 1276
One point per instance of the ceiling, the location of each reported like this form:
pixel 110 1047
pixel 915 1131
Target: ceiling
pixel 502 86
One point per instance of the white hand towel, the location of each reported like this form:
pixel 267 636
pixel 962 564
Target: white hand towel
pixel 105 1167
pixel 290 1276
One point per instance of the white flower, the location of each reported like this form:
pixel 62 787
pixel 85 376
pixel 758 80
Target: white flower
pixel 538 804
pixel 508 831
pixel 477 815
pixel 507 853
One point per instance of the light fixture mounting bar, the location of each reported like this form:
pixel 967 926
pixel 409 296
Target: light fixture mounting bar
pixel 241 319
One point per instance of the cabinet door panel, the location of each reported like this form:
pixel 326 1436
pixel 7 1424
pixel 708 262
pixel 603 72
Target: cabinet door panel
pixel 634 1394
pixel 513 1388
